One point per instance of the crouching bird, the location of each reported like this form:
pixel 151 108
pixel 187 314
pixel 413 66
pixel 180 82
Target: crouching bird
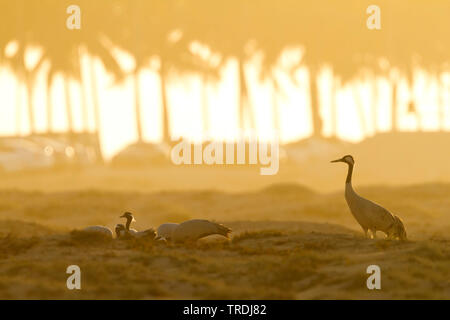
pixel 98 230
pixel 190 230
pixel 370 215
pixel 128 232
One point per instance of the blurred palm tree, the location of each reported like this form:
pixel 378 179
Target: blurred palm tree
pixel 17 25
pixel 150 29
pixel 64 49
pixel 331 33
pixel 239 30
pixel 226 28
pixel 413 34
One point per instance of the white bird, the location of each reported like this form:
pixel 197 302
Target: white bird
pixel 370 215
pixel 101 230
pixel 149 233
pixel 191 230
pixel 165 230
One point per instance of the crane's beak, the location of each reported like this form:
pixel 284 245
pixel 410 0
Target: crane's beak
pixel 338 160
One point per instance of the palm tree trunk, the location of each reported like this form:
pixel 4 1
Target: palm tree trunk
pixel 275 108
pixel 95 98
pixel 137 106
pixel 205 108
pixel 317 120
pixel 244 99
pixel 30 103
pixel 49 107
pixel 84 104
pixel 412 107
pixel 96 105
pixel 333 112
pixel 18 106
pixel 394 107
pixel 84 107
pixel 165 110
pixel 360 108
pixel 68 105
pixel 441 104
pixel 374 105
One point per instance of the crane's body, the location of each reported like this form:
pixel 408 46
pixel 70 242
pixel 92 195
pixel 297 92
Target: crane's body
pixel 368 214
pixel 149 233
pixel 101 230
pixel 165 230
pixel 191 230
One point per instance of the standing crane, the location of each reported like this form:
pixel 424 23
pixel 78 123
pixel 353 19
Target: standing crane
pixel 370 215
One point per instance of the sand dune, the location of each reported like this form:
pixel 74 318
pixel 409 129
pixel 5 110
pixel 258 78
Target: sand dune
pixel 294 243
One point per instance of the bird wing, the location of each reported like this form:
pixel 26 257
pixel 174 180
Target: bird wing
pixel 149 233
pixel 165 230
pixel 379 217
pixel 197 228
pixel 99 229
pixel 133 231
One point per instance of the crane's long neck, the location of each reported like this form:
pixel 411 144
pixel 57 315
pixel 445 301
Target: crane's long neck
pixel 349 192
pixel 128 223
pixel 349 174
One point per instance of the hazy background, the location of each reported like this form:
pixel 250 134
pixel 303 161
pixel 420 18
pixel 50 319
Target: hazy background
pixel 152 72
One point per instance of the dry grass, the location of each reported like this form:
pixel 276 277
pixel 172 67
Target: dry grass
pixel 295 244
pixel 288 241
pixel 265 264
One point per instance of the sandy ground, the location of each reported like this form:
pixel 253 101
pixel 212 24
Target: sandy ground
pixel 287 242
